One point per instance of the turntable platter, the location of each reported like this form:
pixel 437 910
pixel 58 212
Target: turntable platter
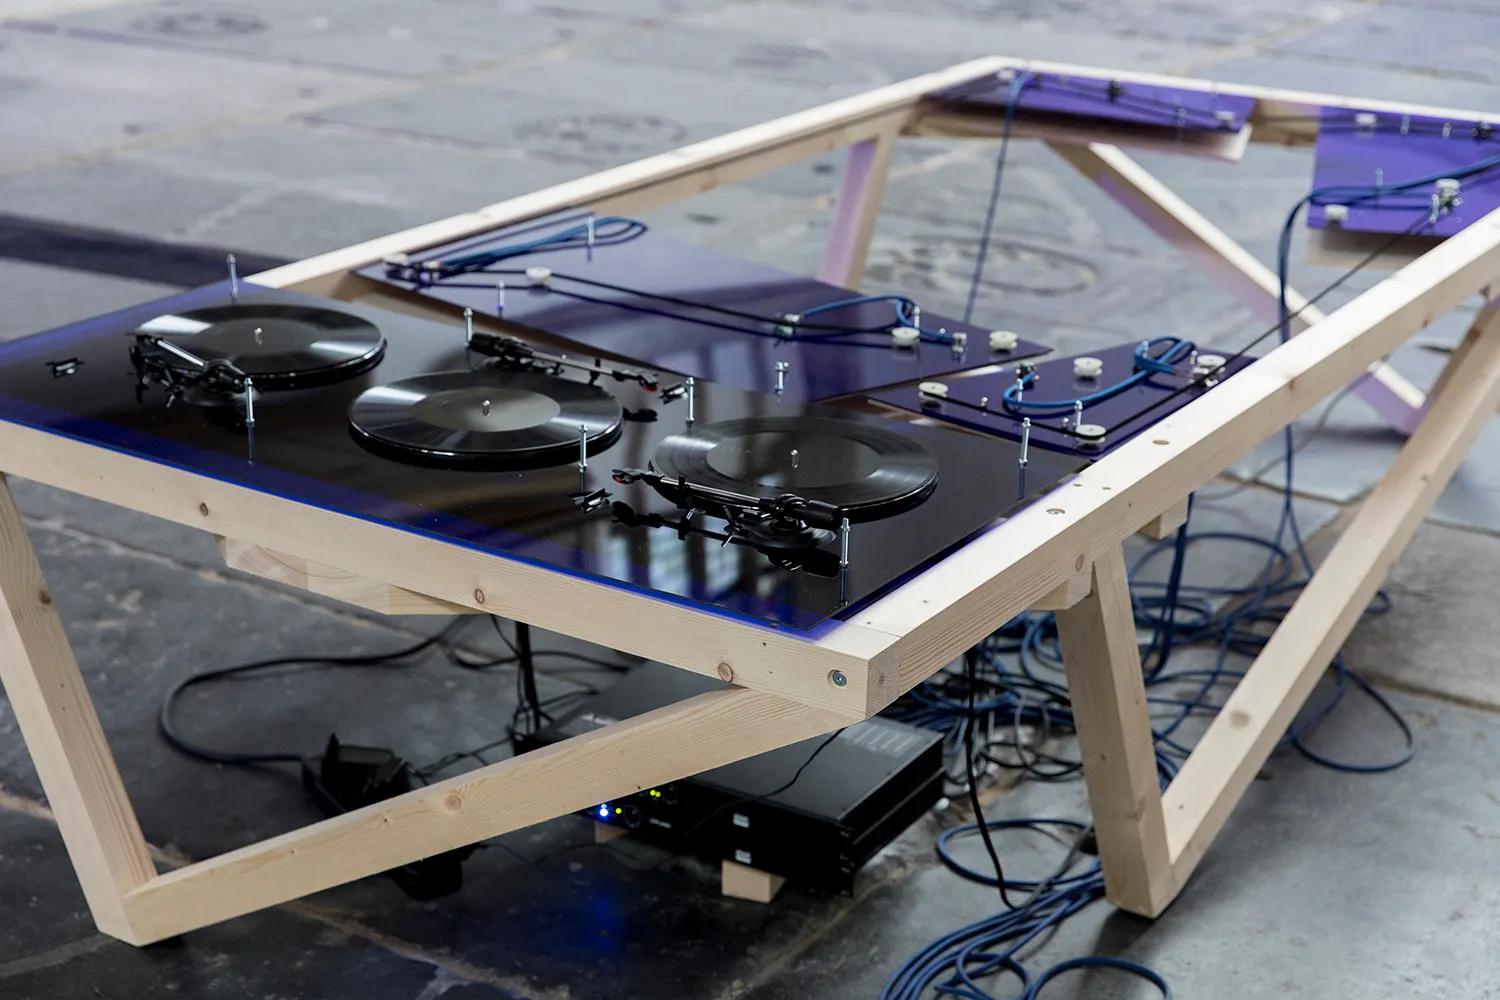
pixel 279 345
pixel 867 470
pixel 485 419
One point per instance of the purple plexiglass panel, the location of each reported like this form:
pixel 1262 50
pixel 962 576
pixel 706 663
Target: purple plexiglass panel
pixel 976 401
pixel 1103 99
pixel 1362 151
pixel 644 300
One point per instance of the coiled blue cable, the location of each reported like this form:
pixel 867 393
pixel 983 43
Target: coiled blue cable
pixel 1146 365
pixel 607 230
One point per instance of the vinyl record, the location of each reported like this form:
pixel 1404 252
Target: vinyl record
pixel 869 471
pixel 484 419
pixel 279 345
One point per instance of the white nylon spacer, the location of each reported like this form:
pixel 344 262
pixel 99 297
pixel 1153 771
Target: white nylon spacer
pixel 1087 367
pixel 906 336
pixel 938 390
pixel 1447 187
pixel 1365 119
pixel 1003 340
pixel 539 276
pixel 1336 213
pixel 1090 432
pixel 396 259
pixel 1208 364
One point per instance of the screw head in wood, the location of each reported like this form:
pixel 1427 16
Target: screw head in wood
pixel 837 678
pixel 726 673
pixel 478 596
pixel 203 509
pixel 43 596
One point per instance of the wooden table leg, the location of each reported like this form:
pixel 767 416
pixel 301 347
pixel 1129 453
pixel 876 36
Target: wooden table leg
pixel 1254 718
pixel 62 733
pixel 1108 694
pixel 856 211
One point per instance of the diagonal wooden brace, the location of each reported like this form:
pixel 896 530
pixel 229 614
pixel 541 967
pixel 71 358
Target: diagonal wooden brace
pixel 1247 729
pixel 1231 265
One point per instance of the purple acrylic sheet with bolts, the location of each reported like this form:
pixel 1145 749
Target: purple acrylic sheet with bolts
pixel 1366 150
pixel 978 401
pixel 641 300
pixel 1103 99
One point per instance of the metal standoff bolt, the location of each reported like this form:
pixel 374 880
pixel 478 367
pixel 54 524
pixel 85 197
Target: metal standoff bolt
pixel 234 278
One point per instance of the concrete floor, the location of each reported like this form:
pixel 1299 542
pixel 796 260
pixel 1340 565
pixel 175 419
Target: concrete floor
pixel 279 129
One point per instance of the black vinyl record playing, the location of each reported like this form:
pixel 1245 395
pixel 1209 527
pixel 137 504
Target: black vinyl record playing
pixel 279 345
pixel 866 470
pixel 485 419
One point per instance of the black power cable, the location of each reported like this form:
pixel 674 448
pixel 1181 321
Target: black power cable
pixel 530 703
pixel 970 659
pixel 168 727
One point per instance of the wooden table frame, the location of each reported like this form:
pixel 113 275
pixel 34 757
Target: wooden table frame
pixel 1063 553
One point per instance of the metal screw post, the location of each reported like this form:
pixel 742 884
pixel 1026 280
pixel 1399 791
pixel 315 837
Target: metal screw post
pixel 234 279
pixel 250 418
pixel 468 336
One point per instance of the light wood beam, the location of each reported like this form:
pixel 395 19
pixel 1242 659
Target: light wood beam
pixel 664 745
pixel 62 733
pixel 1266 700
pixel 1108 695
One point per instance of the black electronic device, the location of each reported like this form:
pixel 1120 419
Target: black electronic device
pixel 853 795
pixel 344 778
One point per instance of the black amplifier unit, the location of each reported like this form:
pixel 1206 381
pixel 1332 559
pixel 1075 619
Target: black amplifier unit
pixel 851 798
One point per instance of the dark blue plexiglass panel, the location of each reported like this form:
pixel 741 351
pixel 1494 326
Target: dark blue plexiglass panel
pixel 1101 99
pixel 978 401
pixel 1360 151
pixel 644 299
pixel 304 452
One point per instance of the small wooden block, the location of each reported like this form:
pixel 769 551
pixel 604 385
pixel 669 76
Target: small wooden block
pixel 1169 521
pixel 604 833
pixel 329 581
pixel 744 882
pixel 1074 589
